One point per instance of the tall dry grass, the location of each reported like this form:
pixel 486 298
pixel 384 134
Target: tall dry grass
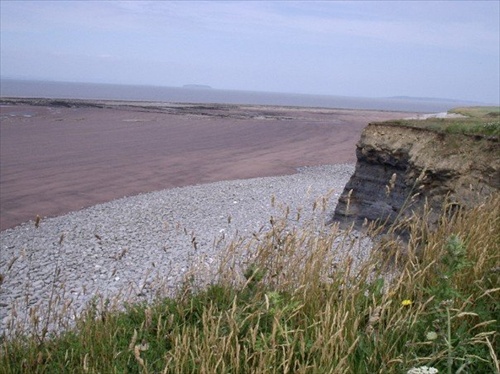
pixel 304 299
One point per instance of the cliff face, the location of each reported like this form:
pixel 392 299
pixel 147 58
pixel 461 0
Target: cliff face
pixel 399 168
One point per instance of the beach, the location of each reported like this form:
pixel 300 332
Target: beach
pixel 133 197
pixel 62 156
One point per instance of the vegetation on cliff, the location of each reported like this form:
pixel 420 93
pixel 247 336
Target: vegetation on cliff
pixel 482 120
pixel 295 307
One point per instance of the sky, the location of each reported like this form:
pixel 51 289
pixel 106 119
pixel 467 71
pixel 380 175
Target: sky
pixel 438 49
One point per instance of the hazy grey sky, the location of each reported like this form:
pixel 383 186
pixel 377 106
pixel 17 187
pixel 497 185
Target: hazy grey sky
pixel 447 49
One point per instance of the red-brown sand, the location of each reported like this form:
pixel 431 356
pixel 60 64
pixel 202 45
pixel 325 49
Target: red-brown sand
pixel 54 160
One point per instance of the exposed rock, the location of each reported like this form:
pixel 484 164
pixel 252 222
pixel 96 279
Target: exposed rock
pixel 399 169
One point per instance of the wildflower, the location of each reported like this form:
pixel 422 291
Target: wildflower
pixel 431 335
pixel 423 370
pixel 446 303
pixel 406 302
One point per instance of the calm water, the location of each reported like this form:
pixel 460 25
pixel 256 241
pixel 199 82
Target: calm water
pixel 38 89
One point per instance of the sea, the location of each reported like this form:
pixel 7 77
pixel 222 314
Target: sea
pixel 17 88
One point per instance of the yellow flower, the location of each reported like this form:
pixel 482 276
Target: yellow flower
pixel 406 302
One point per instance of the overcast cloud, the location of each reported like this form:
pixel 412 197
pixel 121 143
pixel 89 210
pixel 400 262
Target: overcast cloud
pixel 447 49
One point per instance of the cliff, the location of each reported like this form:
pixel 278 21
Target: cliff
pixel 400 168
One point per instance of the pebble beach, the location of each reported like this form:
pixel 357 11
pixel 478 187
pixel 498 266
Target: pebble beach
pixel 220 173
pixel 134 248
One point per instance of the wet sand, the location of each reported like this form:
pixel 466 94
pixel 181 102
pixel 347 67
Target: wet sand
pixel 61 156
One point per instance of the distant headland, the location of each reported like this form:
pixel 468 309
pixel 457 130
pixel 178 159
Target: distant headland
pixel 197 86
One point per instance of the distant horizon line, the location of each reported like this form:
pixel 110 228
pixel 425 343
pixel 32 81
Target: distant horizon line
pixel 196 85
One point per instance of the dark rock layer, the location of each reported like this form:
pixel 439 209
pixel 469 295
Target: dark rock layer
pixel 401 169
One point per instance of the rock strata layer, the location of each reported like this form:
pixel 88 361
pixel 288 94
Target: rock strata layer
pixel 400 169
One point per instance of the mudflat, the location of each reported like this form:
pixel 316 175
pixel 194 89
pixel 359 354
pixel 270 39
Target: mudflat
pixel 58 156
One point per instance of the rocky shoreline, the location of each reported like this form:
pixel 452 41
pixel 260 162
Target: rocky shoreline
pixel 138 247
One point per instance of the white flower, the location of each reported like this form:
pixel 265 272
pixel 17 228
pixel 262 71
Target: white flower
pixel 431 335
pixel 423 370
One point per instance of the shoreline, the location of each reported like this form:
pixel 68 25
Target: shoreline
pixel 170 107
pixel 136 248
pixel 299 170
pixel 75 90
pixel 57 158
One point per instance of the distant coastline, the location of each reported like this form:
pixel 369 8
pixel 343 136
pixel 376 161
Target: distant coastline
pixel 197 86
pixel 203 94
pixel 416 98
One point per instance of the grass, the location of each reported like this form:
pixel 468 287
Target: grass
pixel 476 121
pixel 289 303
pixel 478 111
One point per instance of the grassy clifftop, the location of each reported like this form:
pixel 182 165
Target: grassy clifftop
pixel 484 120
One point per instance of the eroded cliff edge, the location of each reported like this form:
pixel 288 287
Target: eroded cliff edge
pixel 401 168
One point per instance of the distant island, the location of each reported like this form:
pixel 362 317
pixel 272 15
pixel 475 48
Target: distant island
pixel 197 86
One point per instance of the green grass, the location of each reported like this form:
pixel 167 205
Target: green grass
pixel 478 111
pixel 477 121
pixel 294 307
